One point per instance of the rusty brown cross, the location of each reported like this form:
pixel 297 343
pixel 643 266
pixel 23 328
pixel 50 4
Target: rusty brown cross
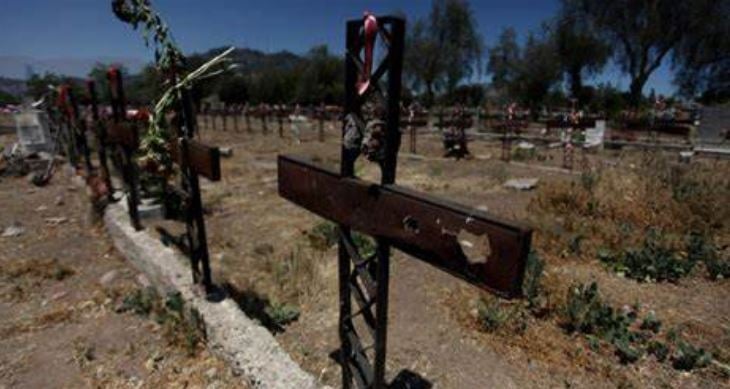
pixel 568 124
pixel 469 244
pixel 122 136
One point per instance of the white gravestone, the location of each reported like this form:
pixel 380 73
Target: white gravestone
pixel 32 129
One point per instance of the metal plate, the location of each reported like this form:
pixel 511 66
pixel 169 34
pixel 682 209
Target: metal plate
pixel 433 230
pixel 559 123
pixel 125 134
pixel 205 160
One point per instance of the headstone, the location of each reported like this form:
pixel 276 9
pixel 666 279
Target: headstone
pixel 32 130
pixel 594 136
pixel 13 230
pixel 225 151
pixel 521 183
pixel 686 156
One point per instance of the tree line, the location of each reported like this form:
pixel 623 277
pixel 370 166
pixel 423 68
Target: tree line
pixel 446 56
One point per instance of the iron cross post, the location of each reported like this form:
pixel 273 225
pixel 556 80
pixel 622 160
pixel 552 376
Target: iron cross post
pixel 124 136
pixel 464 242
pixel 100 132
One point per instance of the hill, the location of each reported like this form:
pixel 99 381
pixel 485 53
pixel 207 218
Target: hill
pixel 12 86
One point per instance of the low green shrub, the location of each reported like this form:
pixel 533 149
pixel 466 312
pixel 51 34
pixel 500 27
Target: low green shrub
pixel 531 286
pixel 325 235
pixel 587 314
pixel 491 316
pixel 688 357
pixel 282 314
pixel 701 249
pixel 654 260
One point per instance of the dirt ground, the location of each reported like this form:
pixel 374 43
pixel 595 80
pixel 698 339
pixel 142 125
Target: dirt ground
pixel 264 250
pixel 63 292
pixel 261 246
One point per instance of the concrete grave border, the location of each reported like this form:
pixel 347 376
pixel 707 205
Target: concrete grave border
pixel 248 347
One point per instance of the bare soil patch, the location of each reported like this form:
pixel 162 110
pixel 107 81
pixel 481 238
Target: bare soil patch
pixel 67 303
pixel 263 247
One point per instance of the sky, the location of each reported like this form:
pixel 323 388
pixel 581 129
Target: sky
pixel 48 29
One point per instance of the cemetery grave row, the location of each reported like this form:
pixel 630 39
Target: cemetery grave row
pixel 433 230
pixel 466 243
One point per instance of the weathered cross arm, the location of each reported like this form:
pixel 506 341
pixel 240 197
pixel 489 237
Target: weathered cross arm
pixel 583 123
pixel 436 231
pixel 124 134
pixel 204 160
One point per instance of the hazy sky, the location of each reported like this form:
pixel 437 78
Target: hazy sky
pixel 45 29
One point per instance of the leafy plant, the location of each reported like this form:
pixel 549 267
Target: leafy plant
pixel 626 352
pixel 521 154
pixel 688 357
pixel 653 261
pixel 180 326
pixel 700 249
pixel 141 302
pixel 282 314
pixel 490 315
pixel 574 244
pixel 658 349
pixel 651 323
pixel 170 62
pixel 531 287
pixel 717 268
pixel 586 313
pixel 325 235
pixel 589 180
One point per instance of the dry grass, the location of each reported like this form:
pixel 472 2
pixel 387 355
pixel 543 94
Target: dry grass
pixel 616 208
pixel 48 319
pixel 44 269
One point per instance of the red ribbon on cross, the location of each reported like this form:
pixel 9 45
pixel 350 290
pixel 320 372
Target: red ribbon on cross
pixel 63 102
pixel 370 24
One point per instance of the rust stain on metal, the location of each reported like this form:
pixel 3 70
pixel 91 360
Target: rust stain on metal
pixel 433 230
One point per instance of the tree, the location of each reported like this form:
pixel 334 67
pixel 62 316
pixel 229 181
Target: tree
pixel 643 32
pixel 423 65
pixel 7 98
pixel 321 78
pixel 539 71
pixel 234 90
pixel 702 60
pixel 444 49
pixel 146 87
pixel 581 50
pixel 524 74
pixel 38 86
pixel 504 63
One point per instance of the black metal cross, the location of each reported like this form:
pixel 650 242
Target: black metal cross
pixel 467 243
pixel 66 127
pixel 124 136
pixel 78 130
pixel 100 132
pixel 194 159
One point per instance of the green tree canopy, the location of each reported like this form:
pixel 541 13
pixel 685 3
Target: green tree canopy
pixel 7 98
pixel 443 49
pixel 524 74
pixel 642 32
pixel 321 79
pixel 582 51
pixel 702 59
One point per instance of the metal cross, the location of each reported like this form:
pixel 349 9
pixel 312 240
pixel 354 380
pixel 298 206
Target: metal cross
pixel 464 242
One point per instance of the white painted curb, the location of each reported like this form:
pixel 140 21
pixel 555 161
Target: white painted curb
pixel 250 349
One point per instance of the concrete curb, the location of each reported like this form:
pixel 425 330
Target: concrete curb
pixel 250 349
